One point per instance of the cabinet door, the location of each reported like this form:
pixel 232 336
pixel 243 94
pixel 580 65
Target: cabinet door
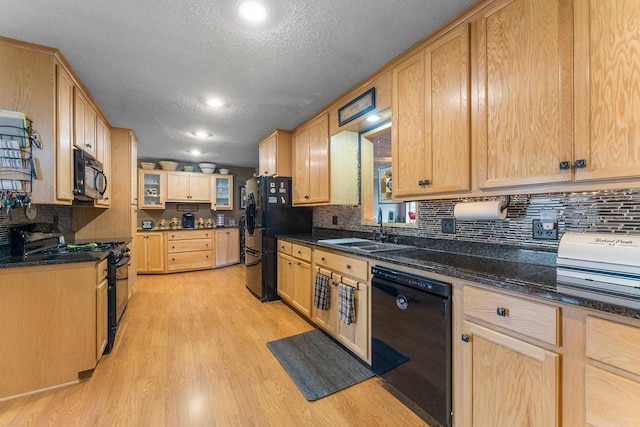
pixel 221 192
pixel 85 123
pixel 523 92
pixel 326 319
pixel 155 252
pixel 141 252
pixel 285 277
pixel 199 187
pixel 507 381
pixel 177 186
pixel 64 136
pixel 151 192
pixel 227 244
pixel 310 154
pixel 233 246
pixel 133 166
pixel 356 335
pixel 302 289
pixel 410 156
pixel 607 94
pixel 267 156
pixel 103 142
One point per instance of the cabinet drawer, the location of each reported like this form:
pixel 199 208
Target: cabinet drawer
pixel 353 267
pixel 189 234
pixel 189 245
pixel 613 343
pixel 190 260
pixel 302 252
pixel 101 270
pixel 529 318
pixel 284 247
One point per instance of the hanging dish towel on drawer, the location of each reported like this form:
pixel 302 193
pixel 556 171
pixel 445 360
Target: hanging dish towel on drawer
pixel 321 293
pixel 346 306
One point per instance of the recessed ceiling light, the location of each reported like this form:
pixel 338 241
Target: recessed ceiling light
pixel 253 11
pixel 201 134
pixel 214 102
pixel 373 118
pixel 195 152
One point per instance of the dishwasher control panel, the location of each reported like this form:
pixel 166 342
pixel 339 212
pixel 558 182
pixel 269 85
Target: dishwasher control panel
pixel 413 280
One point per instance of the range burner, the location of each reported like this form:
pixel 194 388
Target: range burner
pixel 87 247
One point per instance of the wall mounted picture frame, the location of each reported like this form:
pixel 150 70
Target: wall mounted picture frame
pixel 358 107
pixel 242 200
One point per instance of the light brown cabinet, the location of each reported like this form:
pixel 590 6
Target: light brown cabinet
pixel 221 192
pixel 150 252
pixel 294 275
pixel 611 377
pixel 351 272
pixel 607 59
pixel 64 137
pixel 227 244
pixel 274 154
pixel 85 120
pixel 523 92
pixel 310 156
pixel 507 378
pixel 189 250
pixel 188 186
pixel 431 139
pixel 103 141
pixel 151 191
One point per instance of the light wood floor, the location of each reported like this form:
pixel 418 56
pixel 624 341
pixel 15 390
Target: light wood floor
pixel 191 351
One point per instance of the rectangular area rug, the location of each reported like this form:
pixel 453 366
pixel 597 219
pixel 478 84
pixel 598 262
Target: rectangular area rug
pixel 318 365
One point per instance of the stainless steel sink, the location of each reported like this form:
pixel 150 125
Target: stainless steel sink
pixel 363 245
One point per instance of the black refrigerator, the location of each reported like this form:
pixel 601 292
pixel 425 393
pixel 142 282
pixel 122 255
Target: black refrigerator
pixel 269 214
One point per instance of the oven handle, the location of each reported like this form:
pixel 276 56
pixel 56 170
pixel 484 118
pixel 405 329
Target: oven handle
pixel 124 261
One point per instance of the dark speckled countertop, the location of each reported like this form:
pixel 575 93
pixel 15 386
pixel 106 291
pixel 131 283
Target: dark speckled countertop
pixel 506 267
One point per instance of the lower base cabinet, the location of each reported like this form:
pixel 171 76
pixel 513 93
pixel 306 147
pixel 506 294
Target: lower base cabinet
pixel 294 276
pixel 150 252
pixel 189 250
pixel 102 320
pixel 227 244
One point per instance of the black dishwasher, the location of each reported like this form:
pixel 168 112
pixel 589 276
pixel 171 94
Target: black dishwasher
pixel 411 340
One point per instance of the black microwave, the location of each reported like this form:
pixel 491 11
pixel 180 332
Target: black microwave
pixel 90 181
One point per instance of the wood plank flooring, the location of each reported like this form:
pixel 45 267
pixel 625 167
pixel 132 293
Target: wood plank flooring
pixel 191 351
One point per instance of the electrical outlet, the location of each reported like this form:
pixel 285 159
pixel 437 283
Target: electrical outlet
pixel 540 233
pixel 449 225
pixel 334 220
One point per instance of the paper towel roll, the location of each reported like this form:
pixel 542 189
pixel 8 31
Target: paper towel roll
pixel 479 211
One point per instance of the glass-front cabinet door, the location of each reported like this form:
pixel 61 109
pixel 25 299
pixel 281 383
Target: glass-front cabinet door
pixel 222 192
pixel 151 189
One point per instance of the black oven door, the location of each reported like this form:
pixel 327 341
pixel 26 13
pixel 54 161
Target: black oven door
pixel 122 286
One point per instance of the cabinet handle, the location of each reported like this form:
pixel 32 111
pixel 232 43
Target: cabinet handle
pixel 298 262
pixel 501 311
pixel 579 164
pixel 89 146
pixel 306 197
pixel 322 259
pixel 348 267
pixel 465 337
pixel 565 165
pixel 423 182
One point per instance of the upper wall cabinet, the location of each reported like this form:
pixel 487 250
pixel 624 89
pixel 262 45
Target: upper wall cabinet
pixel 85 123
pixel 431 144
pixel 188 187
pixel 275 154
pixel 310 155
pixel 607 89
pixel 523 92
pixel 325 171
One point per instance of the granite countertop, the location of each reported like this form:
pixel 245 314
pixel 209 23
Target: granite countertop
pixel 8 261
pixel 506 267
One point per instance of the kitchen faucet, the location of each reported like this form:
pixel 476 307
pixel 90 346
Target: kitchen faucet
pixel 379 235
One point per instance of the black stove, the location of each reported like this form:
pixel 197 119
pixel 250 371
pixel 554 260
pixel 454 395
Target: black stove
pixel 113 247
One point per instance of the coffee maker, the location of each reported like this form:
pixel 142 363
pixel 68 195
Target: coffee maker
pixel 188 220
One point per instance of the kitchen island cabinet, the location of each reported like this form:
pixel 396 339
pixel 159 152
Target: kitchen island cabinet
pixel 431 138
pixel 49 326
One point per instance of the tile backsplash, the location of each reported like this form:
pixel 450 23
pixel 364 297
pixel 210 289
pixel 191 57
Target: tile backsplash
pixel 603 211
pixel 62 215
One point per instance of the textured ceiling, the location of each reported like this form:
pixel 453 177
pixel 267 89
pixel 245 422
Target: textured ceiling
pixel 150 64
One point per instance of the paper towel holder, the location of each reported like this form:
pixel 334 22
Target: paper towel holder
pixel 505 203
